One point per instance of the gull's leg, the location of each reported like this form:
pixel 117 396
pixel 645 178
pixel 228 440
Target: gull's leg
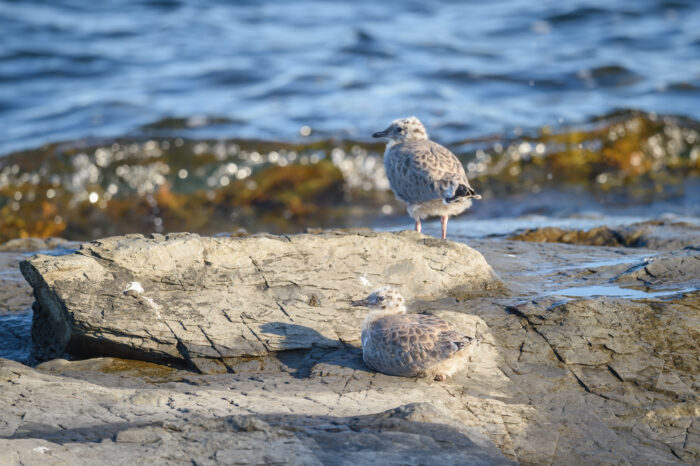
pixel 418 225
pixel 443 221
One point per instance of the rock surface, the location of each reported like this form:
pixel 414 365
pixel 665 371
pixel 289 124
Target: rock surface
pixel 212 302
pixel 416 433
pixel 556 380
pixel 677 268
pixel 32 244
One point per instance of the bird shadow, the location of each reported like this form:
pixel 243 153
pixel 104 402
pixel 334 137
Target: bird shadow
pixel 308 348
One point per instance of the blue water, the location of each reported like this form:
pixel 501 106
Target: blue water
pixel 71 69
pixel 15 335
pixel 616 292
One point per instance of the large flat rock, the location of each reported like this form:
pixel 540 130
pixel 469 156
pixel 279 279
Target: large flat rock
pixel 213 302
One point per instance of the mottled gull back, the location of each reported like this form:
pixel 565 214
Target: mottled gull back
pixel 412 345
pixel 421 171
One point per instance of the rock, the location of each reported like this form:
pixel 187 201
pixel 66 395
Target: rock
pixel 15 293
pixel 600 236
pixel 554 381
pixel 654 234
pixel 674 268
pixel 127 425
pixel 33 244
pixel 213 302
pixel 637 360
pixel 587 381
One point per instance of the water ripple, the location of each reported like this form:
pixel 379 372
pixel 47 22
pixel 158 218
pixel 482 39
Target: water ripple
pixel 68 69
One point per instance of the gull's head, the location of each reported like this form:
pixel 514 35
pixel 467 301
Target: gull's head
pixel 402 130
pixel 386 300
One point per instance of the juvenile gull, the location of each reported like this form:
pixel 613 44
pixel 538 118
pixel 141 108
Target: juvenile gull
pixel 426 176
pixel 410 345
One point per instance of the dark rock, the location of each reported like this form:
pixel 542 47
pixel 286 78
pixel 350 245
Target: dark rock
pixel 656 234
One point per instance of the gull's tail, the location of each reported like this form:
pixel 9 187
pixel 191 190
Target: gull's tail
pixel 463 191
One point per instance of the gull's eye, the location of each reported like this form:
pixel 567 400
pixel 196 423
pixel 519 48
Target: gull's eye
pixel 380 298
pixel 399 130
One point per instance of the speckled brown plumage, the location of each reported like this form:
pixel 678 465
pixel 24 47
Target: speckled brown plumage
pixel 410 345
pixel 422 171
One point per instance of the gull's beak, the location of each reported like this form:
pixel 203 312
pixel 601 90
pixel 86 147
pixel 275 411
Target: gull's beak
pixel 381 134
pixel 361 302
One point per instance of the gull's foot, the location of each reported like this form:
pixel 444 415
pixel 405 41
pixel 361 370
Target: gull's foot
pixel 440 377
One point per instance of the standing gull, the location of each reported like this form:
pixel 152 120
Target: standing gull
pixel 410 345
pixel 426 176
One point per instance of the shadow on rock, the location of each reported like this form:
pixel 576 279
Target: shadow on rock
pixel 416 433
pixel 89 434
pixel 323 350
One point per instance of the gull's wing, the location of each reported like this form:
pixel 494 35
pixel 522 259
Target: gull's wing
pixel 406 344
pixel 422 171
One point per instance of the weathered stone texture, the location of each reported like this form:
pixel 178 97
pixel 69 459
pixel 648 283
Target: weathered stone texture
pixel 210 301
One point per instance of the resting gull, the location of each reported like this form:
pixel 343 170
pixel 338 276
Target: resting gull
pixel 426 176
pixel 410 345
